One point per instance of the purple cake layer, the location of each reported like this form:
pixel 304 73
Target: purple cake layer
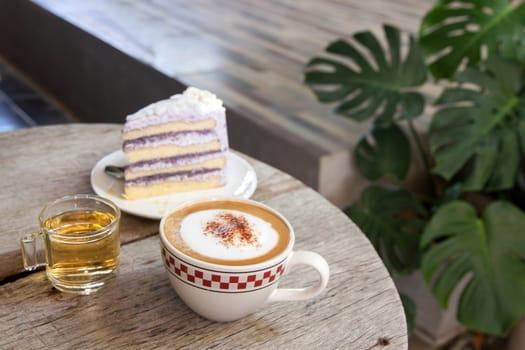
pixel 195 174
pixel 182 138
pixel 181 160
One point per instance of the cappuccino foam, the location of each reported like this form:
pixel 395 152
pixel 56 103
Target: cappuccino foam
pixel 227 232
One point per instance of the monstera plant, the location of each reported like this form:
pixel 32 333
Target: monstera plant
pixel 467 226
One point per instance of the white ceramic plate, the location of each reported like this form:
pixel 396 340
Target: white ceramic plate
pixel 241 182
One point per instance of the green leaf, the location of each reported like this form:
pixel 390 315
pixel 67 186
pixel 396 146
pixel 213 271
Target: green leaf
pixel 457 30
pixel 368 82
pixel 410 311
pixel 387 153
pixel 392 219
pixel 489 252
pixel 477 134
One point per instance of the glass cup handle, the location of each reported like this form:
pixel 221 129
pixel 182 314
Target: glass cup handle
pixel 295 294
pixel 32 246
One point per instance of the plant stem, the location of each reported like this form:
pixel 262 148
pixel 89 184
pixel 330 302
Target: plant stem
pixel 423 155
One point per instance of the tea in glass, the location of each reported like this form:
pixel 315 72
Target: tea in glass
pixel 81 243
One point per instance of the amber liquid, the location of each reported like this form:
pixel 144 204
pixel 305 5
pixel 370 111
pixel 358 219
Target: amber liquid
pixel 80 259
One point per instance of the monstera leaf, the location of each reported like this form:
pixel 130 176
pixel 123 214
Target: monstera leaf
pixel 388 153
pixel 455 30
pixel 368 82
pixel 489 252
pixel 392 218
pixel 479 133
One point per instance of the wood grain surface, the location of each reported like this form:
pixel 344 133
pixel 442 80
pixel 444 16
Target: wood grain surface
pixel 250 53
pixel 139 309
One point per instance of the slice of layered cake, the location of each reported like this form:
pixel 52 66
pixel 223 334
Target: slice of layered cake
pixel 176 145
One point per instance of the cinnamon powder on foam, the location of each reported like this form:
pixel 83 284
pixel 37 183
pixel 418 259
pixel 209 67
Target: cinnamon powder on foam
pixel 232 230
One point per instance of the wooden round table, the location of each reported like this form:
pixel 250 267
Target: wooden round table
pixel 139 309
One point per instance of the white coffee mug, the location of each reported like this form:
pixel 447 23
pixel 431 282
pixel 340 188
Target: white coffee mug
pixel 225 292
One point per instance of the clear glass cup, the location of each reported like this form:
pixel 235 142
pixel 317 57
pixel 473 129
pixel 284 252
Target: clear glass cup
pixel 79 237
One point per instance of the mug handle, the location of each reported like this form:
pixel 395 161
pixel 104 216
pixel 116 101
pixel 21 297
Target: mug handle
pixel 32 246
pixel 295 294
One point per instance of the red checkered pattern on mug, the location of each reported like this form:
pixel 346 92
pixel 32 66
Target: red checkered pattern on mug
pixel 225 282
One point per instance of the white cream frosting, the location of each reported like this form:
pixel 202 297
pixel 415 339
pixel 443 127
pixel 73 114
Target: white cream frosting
pixel 193 103
pixel 194 234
